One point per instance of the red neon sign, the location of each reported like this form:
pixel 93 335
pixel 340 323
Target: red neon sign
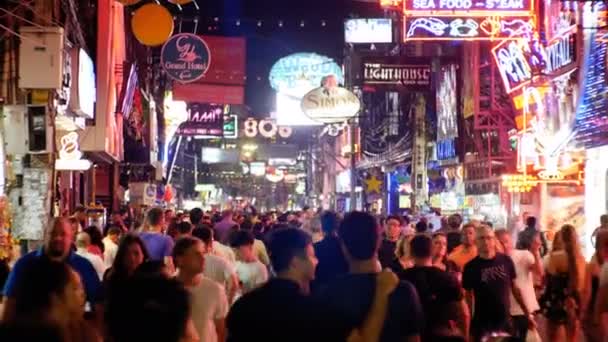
pixel 466 28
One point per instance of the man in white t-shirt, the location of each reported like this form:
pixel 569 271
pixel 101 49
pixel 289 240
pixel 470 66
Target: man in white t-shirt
pixel 528 264
pixel 83 241
pixel 251 272
pixel 110 244
pixel 217 268
pixel 209 305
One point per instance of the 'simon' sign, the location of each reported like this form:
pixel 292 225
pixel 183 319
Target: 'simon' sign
pixel 414 75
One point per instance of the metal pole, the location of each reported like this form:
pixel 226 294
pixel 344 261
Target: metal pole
pixel 353 164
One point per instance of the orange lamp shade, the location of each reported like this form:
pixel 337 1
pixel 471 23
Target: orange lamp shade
pixel 128 2
pixel 152 24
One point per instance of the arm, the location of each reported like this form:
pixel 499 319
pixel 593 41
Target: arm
pixel 520 300
pixel 470 300
pixel 220 329
pixel 8 314
pixel 372 326
pixel 460 311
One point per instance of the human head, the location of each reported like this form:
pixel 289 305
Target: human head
pixel 130 254
pixel 393 227
pixel 601 246
pixel 58 239
pixel 80 213
pixel 205 234
pixel 403 247
pixel 48 288
pixel 83 240
pixel 114 233
pixel 359 235
pixel 169 215
pixel 292 254
pixel 149 308
pixel 189 255
pixel 486 242
pixel 604 221
pixel 454 221
pixel 329 222
pixel 184 229
pixel 196 216
pixel 525 215
pixel 74 224
pixel 155 218
pixel 531 222
pixel 440 245
pixel 468 234
pixel 243 240
pixel 420 247
pixel 96 236
pixel 505 240
pixel 421 226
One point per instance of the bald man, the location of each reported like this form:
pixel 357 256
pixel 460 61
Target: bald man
pixel 83 241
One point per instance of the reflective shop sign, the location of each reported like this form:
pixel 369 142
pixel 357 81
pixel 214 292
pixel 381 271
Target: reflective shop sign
pixel 330 104
pixel 185 57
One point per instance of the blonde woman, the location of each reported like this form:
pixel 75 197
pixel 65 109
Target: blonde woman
pixel 565 279
pixel 402 260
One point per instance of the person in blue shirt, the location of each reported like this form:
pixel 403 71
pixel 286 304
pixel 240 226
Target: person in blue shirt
pixel 58 240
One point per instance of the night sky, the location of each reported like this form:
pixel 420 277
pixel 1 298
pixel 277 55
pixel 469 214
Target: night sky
pixel 269 42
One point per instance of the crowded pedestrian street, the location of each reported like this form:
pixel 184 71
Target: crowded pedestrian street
pixel 303 171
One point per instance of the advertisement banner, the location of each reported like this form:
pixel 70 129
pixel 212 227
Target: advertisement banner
pixel 393 73
pixel 204 119
pixel 229 61
pixel 209 93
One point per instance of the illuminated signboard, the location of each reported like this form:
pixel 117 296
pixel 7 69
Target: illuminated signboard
pixel 466 28
pixel 470 7
pixel 390 73
pixel 302 70
pixel 560 53
pixel 371 30
pixel 516 58
pixel 204 120
pixel 513 65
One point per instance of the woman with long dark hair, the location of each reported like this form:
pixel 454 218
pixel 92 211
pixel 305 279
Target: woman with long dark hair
pixel 565 276
pixel 131 253
pixel 440 256
pixel 50 294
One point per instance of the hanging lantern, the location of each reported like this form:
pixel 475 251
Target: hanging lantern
pixel 152 24
pixel 128 2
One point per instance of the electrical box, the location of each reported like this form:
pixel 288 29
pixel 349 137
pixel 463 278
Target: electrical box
pixel 14 121
pixel 39 130
pixel 41 57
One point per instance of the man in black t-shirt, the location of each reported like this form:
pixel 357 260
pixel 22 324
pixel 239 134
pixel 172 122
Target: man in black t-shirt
pixel 392 233
pixel 489 280
pixel 347 299
pixel 440 293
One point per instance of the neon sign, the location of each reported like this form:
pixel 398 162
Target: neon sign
pixel 467 28
pixel 70 155
pixel 513 65
pixel 470 7
pixel 560 52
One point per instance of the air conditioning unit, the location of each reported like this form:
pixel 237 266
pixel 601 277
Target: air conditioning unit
pixel 14 121
pixel 41 57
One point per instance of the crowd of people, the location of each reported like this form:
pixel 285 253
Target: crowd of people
pixel 304 276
